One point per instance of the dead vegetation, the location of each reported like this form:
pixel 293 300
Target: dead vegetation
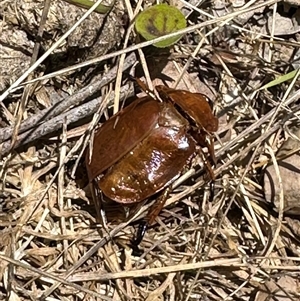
pixel 244 245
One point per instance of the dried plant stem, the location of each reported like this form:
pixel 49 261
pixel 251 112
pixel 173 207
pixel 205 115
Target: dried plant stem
pixel 73 100
pixel 56 123
pixel 231 262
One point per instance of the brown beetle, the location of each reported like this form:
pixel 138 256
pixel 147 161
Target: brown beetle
pixel 143 148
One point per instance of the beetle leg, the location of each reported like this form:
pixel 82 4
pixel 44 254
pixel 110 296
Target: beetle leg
pixel 97 199
pixel 211 149
pixel 153 212
pixel 204 139
pixel 143 226
pixel 158 205
pixel 210 171
pixel 207 164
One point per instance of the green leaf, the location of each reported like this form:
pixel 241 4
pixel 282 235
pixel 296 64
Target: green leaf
pixel 280 80
pixel 159 20
pixel 101 9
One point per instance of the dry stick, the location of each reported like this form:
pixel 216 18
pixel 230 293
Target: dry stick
pixel 55 123
pixel 249 263
pixel 97 83
pixel 100 276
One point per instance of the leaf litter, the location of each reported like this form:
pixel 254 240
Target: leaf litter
pixel 244 244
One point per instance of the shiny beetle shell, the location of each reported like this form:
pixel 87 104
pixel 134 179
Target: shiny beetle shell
pixel 145 147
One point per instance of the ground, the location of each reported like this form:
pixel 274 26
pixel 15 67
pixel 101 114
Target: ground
pixel 240 244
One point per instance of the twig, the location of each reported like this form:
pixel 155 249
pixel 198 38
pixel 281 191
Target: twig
pixel 98 82
pixel 68 117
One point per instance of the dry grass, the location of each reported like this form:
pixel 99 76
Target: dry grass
pixel 237 247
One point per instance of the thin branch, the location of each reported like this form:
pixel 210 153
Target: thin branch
pixel 71 101
pixel 56 123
